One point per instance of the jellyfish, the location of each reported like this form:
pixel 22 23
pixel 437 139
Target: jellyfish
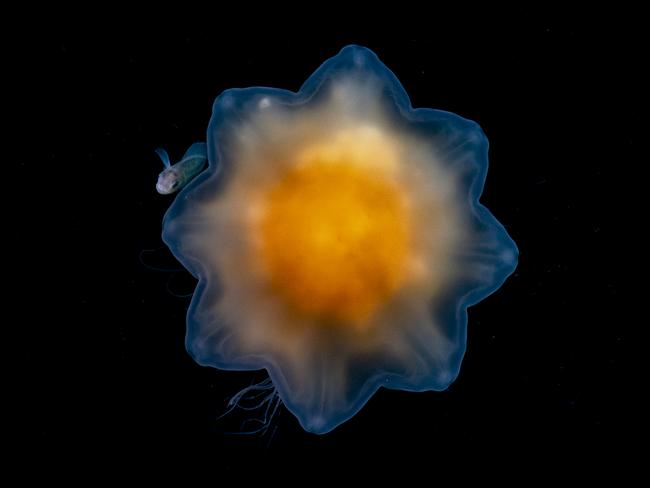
pixel 338 239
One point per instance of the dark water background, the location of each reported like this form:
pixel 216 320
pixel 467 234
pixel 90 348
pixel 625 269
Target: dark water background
pixel 548 356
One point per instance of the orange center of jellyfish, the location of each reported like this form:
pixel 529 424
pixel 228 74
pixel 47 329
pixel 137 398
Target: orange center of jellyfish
pixel 334 239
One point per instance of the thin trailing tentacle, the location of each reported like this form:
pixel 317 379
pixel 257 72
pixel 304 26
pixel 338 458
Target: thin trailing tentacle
pixel 255 397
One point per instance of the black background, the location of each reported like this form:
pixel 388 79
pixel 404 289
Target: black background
pixel 548 356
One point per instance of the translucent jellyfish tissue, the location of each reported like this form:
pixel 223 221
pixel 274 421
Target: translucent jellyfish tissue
pixel 338 239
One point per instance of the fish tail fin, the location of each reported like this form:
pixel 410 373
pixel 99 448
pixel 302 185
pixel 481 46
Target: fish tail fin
pixel 197 150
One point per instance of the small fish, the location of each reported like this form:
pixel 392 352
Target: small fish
pixel 175 177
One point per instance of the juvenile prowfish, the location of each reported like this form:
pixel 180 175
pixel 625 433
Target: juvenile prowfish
pixel 175 177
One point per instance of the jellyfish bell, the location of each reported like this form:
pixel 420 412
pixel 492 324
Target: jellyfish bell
pixel 338 239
